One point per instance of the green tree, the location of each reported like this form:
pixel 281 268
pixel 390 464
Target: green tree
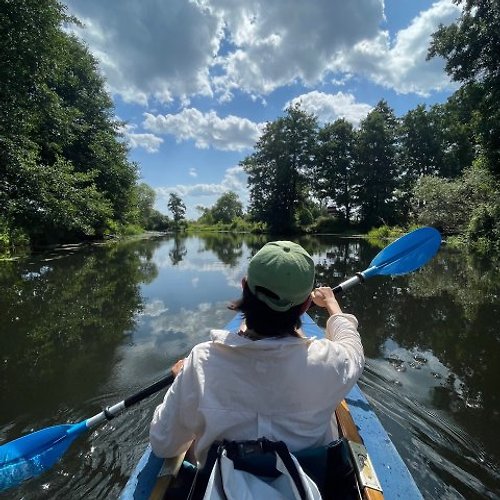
pixel 177 208
pixel 421 152
pixel 279 170
pixel 146 197
pixel 90 133
pixel 149 217
pixel 376 167
pixel 63 164
pixel 466 205
pixel 453 129
pixel 471 47
pixel 227 208
pixel 336 164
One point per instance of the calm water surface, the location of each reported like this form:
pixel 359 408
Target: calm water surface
pixel 81 329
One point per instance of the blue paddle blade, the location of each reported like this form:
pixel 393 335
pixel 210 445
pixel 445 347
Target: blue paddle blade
pixel 406 254
pixel 30 455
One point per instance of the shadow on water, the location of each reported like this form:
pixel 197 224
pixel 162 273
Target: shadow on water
pixel 85 328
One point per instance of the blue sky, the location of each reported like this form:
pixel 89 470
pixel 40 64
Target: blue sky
pixel 195 81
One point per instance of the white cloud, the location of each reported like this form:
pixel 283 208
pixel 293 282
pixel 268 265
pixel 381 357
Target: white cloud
pixel 178 49
pixel 231 133
pixel 402 65
pixel 235 179
pixel 150 142
pixel 193 172
pixel 329 107
pixel 277 43
pixel 151 49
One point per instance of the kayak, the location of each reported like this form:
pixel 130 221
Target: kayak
pixel 380 470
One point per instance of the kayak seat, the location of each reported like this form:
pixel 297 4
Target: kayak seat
pixel 332 469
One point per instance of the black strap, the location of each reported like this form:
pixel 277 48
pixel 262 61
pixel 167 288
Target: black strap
pixel 283 452
pixel 200 481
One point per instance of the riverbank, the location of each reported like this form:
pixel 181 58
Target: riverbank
pixel 15 253
pixel 378 237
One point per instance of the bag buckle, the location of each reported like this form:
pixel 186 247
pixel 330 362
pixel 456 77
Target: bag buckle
pixel 249 448
pixel 242 449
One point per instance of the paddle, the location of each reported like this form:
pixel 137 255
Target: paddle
pixel 34 453
pixel 30 455
pixel 402 256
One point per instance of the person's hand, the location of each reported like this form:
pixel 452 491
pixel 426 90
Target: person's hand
pixel 176 369
pixel 323 296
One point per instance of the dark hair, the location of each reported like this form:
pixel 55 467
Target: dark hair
pixel 263 320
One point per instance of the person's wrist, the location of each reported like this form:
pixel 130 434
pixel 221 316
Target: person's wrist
pixel 332 307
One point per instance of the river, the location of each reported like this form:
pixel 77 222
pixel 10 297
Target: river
pixel 84 327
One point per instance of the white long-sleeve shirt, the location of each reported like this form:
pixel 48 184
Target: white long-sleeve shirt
pixel 281 388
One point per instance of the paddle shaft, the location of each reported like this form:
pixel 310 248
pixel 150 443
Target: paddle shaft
pixel 355 280
pixel 113 411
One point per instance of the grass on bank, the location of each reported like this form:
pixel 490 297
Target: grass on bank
pixel 238 225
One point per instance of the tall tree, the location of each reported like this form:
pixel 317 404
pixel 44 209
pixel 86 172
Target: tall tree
pixel 336 164
pixel 60 149
pixel 280 168
pixel 177 208
pixel 471 47
pixel 421 153
pixel 376 166
pixel 454 131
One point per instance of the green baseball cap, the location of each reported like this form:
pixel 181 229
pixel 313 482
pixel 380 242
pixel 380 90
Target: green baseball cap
pixel 285 269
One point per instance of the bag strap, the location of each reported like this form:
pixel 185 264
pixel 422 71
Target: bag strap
pixel 283 452
pixel 201 478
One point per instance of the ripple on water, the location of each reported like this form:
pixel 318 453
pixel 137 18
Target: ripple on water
pixel 445 460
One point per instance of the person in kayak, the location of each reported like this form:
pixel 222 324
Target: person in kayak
pixel 269 380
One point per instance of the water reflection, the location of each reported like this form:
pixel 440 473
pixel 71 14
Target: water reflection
pixel 73 309
pixel 178 251
pixel 95 325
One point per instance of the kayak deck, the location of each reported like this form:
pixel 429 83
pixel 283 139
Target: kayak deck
pixel 393 474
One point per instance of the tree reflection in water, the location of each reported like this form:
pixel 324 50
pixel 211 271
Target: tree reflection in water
pixel 62 319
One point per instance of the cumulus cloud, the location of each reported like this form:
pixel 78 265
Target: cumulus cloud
pixel 159 50
pixel 234 179
pixel 151 49
pixel 273 49
pixel 150 142
pixel 230 133
pixel 178 49
pixel 193 172
pixel 329 107
pixel 402 64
